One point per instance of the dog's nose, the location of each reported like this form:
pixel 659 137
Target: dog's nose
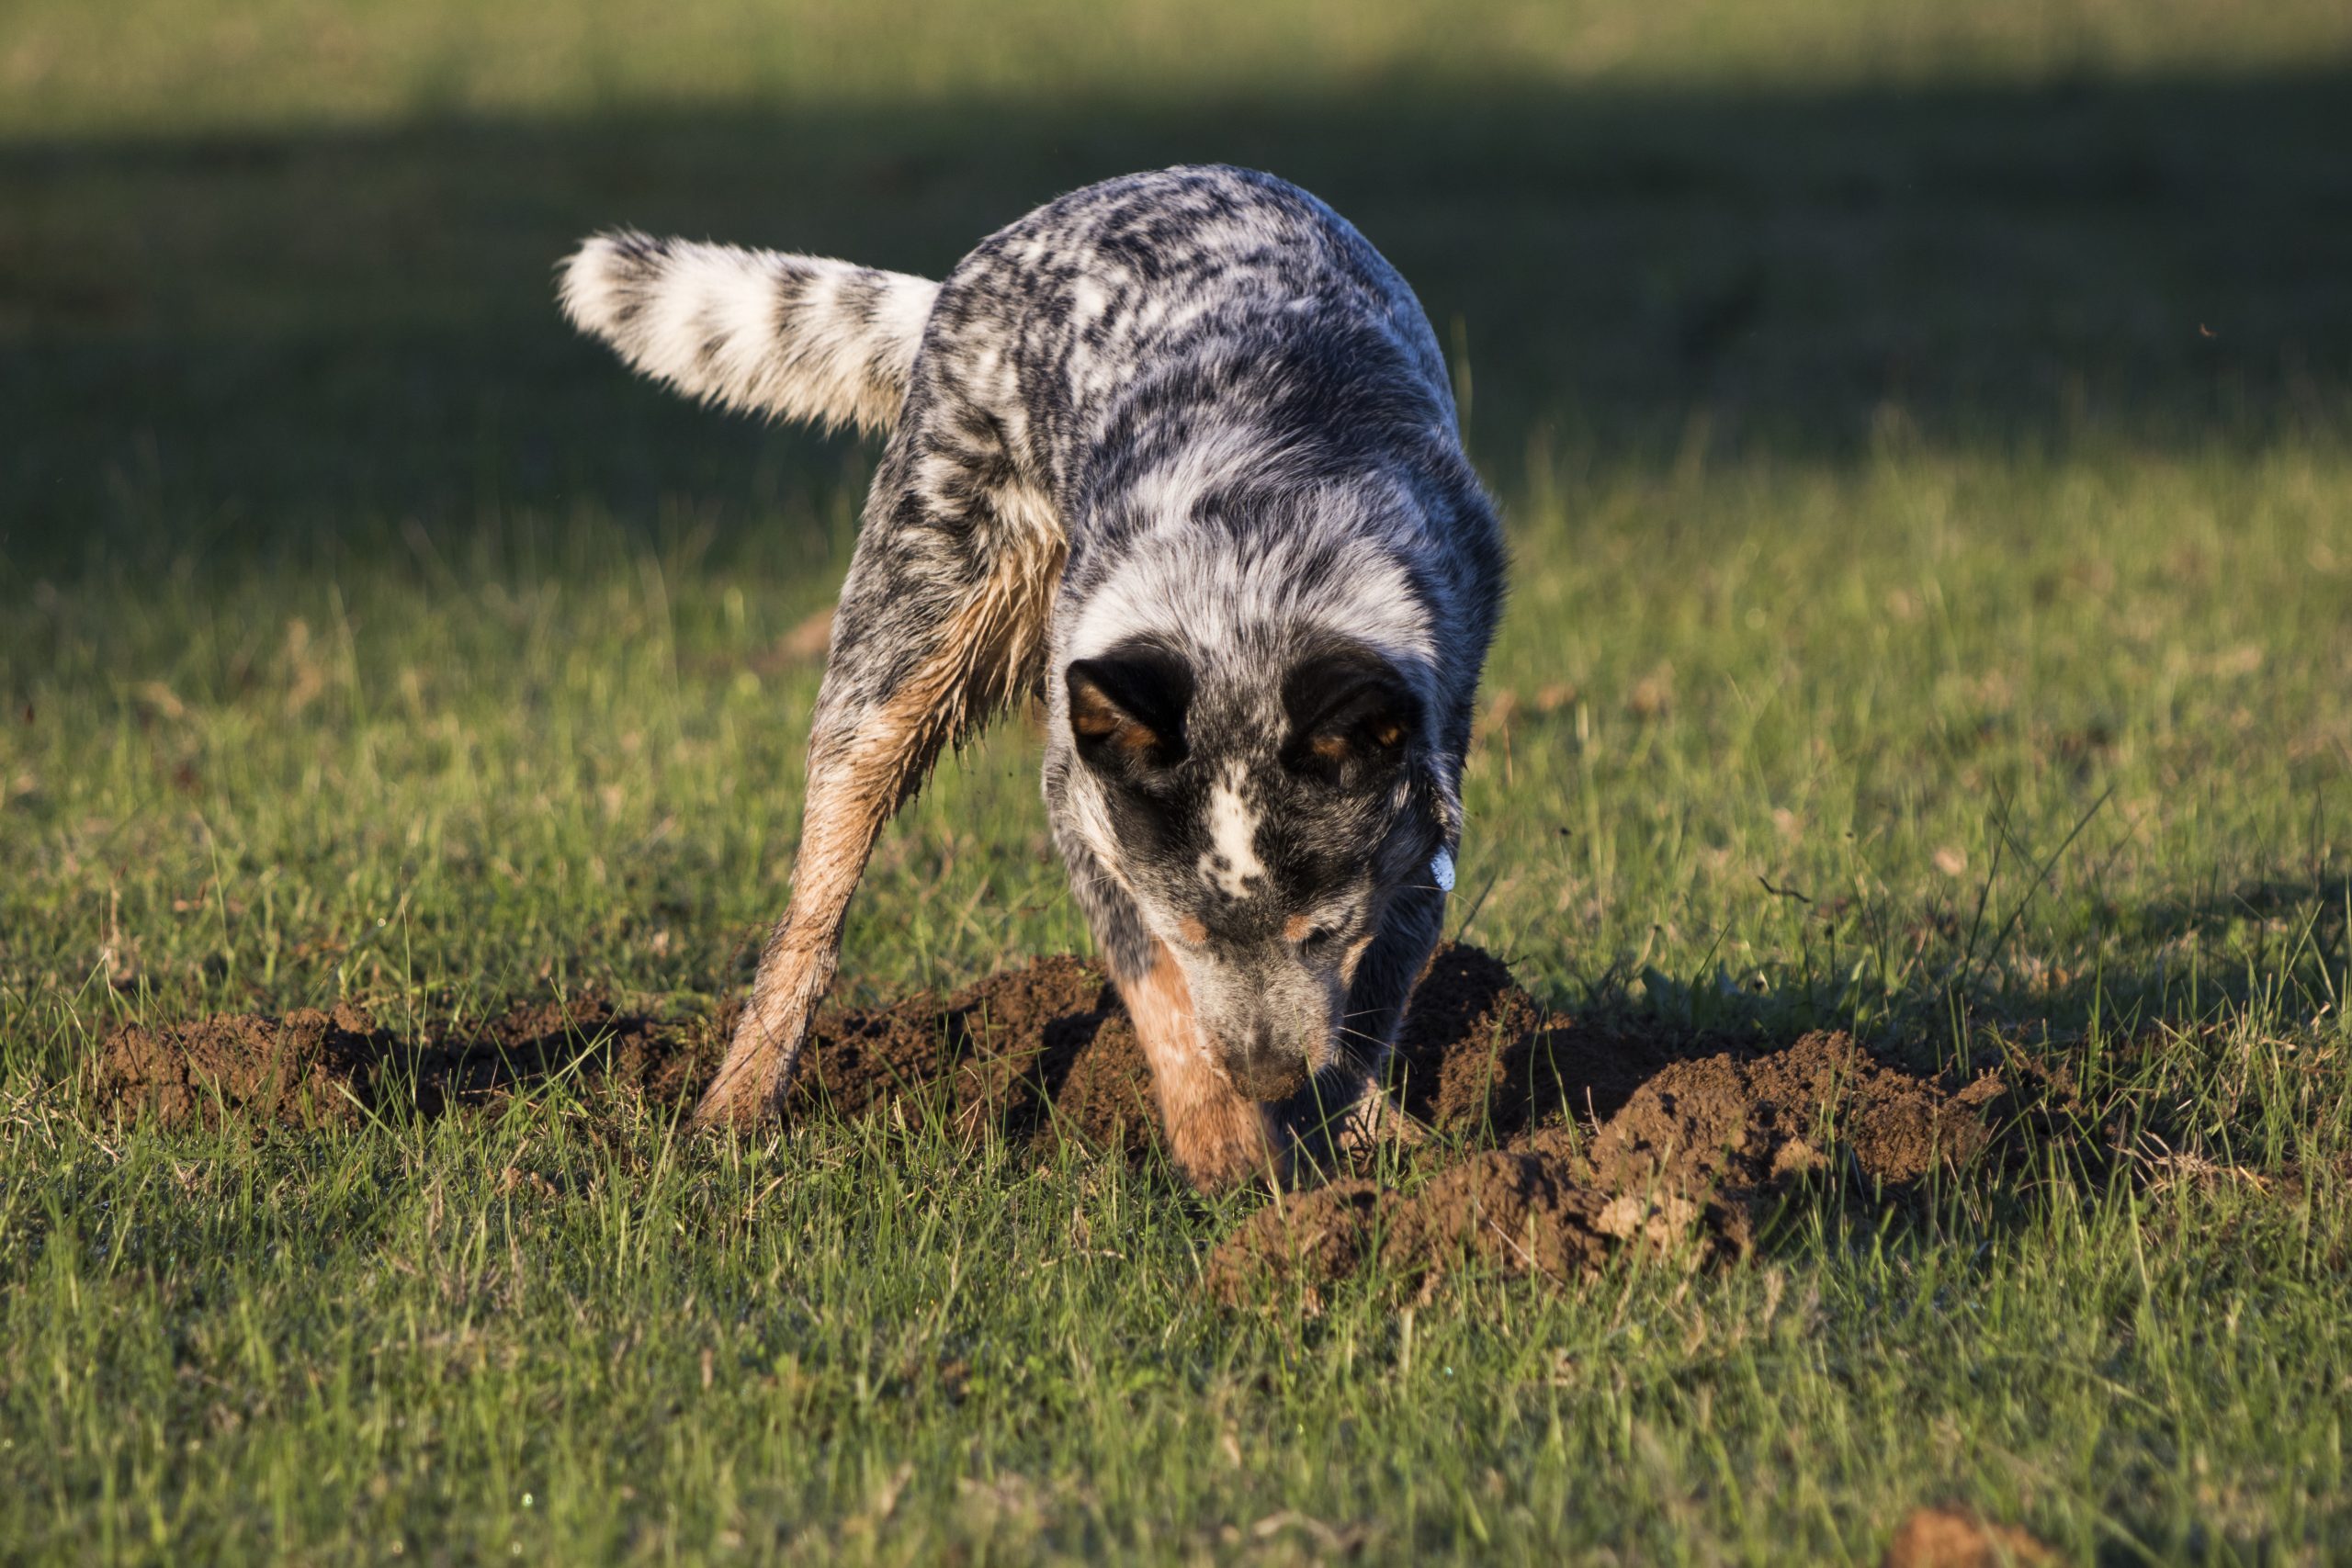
pixel 1263 1066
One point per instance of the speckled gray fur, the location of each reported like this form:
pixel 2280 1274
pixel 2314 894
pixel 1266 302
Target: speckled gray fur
pixel 1207 416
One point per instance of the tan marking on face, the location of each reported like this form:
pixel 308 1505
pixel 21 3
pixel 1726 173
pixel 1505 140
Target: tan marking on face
pixel 1192 930
pixel 1354 956
pixel 1298 928
pixel 1218 1137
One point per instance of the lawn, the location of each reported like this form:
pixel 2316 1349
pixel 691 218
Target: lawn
pixel 1925 435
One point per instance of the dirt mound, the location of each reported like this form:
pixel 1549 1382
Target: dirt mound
pixel 1557 1144
pixel 1046 1047
pixel 1680 1170
pixel 1479 1058
pixel 1743 1123
pixel 307 1068
pixel 1042 1048
pixel 1945 1538
pixel 313 1068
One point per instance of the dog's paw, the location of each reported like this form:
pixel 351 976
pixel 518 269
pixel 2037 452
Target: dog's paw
pixel 726 1109
pixel 1375 1120
pixel 1224 1145
pixel 748 1093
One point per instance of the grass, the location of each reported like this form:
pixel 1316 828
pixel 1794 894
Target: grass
pixel 1926 443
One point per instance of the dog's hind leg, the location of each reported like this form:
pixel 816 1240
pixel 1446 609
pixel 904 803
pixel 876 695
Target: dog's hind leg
pixel 942 618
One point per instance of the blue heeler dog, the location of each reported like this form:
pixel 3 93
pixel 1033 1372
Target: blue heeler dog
pixel 1176 451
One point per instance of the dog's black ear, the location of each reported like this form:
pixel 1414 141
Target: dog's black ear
pixel 1126 709
pixel 1353 715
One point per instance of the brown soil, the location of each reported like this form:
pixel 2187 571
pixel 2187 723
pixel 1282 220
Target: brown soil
pixel 1478 1057
pixel 1555 1144
pixel 1041 1048
pixel 1680 1170
pixel 311 1068
pixel 1944 1537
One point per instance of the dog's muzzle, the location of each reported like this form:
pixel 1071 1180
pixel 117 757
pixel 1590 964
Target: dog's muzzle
pixel 1265 1066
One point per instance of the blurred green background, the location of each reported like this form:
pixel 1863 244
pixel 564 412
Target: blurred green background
pixel 284 267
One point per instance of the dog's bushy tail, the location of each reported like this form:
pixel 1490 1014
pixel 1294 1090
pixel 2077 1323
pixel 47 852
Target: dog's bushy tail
pixel 762 331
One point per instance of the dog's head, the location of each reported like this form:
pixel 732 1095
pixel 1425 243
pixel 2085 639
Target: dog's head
pixel 1262 816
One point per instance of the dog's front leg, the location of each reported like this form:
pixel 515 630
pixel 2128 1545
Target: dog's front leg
pixel 1217 1139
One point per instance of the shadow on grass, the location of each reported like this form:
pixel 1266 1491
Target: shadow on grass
pixel 287 342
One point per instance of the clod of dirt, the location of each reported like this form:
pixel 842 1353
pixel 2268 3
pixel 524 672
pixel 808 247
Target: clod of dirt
pixel 1039 1050
pixel 1310 1238
pixel 1679 1171
pixel 1508 1211
pixel 310 1068
pixel 1945 1538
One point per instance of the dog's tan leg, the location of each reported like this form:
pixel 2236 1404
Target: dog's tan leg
pixel 936 628
pixel 860 767
pixel 1219 1138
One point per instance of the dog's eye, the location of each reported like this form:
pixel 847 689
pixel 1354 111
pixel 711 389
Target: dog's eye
pixel 1316 940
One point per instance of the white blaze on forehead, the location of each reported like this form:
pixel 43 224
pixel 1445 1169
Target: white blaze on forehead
pixel 1210 596
pixel 1232 858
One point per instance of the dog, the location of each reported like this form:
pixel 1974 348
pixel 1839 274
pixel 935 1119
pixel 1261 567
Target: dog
pixel 1177 452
